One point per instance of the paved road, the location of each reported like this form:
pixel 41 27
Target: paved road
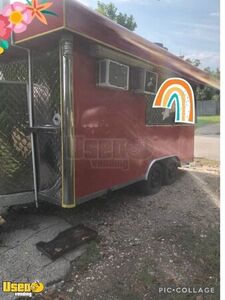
pixel 207 142
pixel 207 147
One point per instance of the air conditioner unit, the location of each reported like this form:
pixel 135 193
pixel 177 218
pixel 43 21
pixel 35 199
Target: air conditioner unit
pixel 113 74
pixel 143 81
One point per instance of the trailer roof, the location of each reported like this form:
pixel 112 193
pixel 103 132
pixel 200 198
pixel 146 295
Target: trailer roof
pixel 83 21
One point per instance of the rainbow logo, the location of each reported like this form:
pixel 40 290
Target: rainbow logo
pixel 180 92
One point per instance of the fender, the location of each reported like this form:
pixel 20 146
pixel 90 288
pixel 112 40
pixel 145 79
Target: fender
pixel 161 159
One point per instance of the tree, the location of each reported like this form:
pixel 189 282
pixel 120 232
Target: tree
pixel 205 92
pixel 111 12
pixel 214 73
pixel 193 61
pixel 108 10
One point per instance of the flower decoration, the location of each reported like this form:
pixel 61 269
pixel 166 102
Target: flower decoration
pixel 38 10
pixel 16 18
pixel 18 15
pixel 4 45
pixel 4 30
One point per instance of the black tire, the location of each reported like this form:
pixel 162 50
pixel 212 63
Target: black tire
pixel 155 179
pixel 170 172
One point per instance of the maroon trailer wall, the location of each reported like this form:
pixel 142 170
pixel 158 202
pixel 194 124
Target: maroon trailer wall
pixel 75 17
pixel 111 130
pixel 114 146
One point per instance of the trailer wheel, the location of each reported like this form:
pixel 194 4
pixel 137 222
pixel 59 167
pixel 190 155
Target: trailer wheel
pixel 155 179
pixel 170 172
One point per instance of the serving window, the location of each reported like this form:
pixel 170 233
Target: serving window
pixel 159 116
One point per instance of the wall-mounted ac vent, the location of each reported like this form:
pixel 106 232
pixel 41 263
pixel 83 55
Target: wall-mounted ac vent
pixel 143 81
pixel 113 74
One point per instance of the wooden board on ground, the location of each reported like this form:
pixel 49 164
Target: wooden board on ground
pixel 66 241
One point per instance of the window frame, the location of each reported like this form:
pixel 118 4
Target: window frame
pixel 107 84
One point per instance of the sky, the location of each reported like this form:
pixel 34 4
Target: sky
pixel 185 27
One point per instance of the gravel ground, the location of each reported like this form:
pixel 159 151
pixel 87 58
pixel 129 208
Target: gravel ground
pixel 169 239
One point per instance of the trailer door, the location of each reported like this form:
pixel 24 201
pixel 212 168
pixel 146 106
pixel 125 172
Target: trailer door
pixel 47 124
pixel 30 127
pixel 16 173
pixel 53 122
pixel 37 136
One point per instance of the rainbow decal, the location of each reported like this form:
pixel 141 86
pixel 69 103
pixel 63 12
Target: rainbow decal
pixel 180 92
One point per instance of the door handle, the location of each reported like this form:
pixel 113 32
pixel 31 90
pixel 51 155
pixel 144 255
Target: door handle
pixel 46 129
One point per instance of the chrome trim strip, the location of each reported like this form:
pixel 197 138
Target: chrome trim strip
pixel 91 196
pixel 123 185
pixel 68 131
pixel 39 35
pixel 105 191
pixel 31 121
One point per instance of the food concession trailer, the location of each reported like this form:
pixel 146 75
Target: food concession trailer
pixel 76 110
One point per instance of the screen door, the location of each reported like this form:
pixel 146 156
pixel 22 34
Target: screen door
pixel 47 123
pixel 16 173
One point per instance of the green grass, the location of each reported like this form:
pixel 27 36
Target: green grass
pixel 205 120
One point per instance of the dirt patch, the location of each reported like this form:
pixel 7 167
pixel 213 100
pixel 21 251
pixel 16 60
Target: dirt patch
pixel 205 165
pixel 169 239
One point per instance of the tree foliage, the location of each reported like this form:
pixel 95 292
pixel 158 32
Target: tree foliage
pixel 205 92
pixel 193 61
pixel 111 12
